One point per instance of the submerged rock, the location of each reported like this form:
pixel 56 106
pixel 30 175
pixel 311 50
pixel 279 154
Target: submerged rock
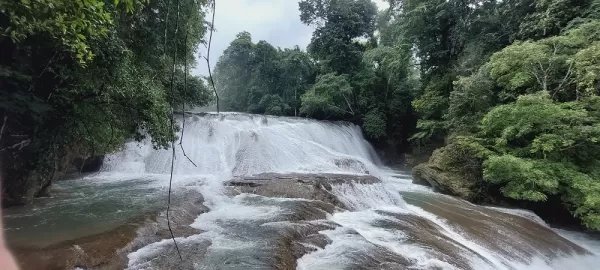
pixel 296 185
pixel 109 249
pixel 515 234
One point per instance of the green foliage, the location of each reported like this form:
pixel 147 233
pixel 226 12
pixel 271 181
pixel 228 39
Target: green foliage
pixel 528 109
pixel 338 23
pixel 386 83
pixel 537 127
pixel 452 39
pixel 582 194
pixel 72 23
pixel 545 148
pixel 587 69
pixel 374 124
pixel 274 105
pixel 261 79
pixel 535 180
pixel 431 105
pixel 471 99
pixel 517 66
pixel 328 97
pixel 549 17
pixel 82 77
pixel 562 65
pixel 521 179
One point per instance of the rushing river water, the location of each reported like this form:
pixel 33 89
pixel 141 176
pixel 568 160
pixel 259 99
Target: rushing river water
pixel 392 224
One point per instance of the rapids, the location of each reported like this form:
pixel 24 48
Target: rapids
pixel 392 224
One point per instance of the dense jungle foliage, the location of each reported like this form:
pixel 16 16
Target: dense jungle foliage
pixel 79 78
pixel 511 87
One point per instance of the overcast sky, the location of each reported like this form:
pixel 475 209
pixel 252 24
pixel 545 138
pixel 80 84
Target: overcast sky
pixel 276 21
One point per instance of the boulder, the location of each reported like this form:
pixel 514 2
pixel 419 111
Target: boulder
pixel 455 170
pixel 444 181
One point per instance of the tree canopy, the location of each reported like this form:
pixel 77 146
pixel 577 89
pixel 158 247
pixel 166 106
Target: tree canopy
pixel 79 78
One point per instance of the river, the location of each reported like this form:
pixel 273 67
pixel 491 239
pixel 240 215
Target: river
pixel 381 222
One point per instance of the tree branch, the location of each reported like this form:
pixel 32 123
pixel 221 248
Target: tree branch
pixel 172 122
pixel 3 126
pixel 564 80
pixel 185 75
pixel 22 144
pixel 212 27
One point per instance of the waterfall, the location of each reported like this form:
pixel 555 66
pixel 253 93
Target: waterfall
pixel 243 144
pixel 388 224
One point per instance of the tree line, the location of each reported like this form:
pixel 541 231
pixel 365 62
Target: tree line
pixel 79 78
pixel 508 88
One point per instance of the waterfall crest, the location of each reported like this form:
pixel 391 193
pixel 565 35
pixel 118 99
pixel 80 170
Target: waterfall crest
pixel 243 144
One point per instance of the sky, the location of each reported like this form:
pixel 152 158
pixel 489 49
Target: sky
pixel 276 21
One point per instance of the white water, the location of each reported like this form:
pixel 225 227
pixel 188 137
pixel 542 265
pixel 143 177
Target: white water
pixel 229 145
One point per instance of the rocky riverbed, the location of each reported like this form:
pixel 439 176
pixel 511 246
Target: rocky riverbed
pixel 109 249
pixel 308 205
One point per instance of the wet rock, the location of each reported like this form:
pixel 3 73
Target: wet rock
pixel 93 252
pixel 306 186
pixel 444 181
pixel 424 233
pixel 87 164
pixel 27 183
pixel 354 252
pixel 297 240
pixel 514 236
pixel 296 233
pixel 348 164
pixel 454 169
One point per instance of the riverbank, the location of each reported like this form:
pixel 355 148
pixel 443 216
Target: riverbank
pixel 458 171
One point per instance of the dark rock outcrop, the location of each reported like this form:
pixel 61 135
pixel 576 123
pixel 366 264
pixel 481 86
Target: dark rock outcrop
pixel 23 179
pixel 444 181
pixel 455 170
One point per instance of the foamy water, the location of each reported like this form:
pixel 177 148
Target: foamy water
pixel 379 227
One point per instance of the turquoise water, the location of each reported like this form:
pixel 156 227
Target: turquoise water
pixel 81 207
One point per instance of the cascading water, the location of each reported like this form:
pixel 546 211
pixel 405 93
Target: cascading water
pixel 242 144
pixel 391 224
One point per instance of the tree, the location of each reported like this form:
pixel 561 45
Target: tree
pixel 439 31
pixel 546 148
pixel 236 62
pixel 80 78
pixel 328 98
pixel 258 78
pixel 339 23
pixel 297 74
pixel 549 64
pixel 549 17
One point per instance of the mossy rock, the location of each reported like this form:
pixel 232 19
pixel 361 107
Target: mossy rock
pixel 444 181
pixel 454 169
